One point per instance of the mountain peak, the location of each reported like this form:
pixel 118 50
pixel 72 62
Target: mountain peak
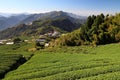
pixel 44 22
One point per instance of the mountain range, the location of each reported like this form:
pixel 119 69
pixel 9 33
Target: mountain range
pixel 6 22
pixel 36 24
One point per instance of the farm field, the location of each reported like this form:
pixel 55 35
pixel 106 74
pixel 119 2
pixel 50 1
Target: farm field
pixel 71 63
pixel 21 48
pixel 12 56
pixel 9 62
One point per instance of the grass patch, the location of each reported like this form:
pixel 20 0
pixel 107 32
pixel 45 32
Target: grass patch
pixel 70 63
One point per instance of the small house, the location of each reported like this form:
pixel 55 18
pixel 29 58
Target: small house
pixel 41 41
pixel 1 43
pixel 9 43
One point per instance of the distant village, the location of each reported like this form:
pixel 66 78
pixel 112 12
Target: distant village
pixel 6 41
pixel 42 39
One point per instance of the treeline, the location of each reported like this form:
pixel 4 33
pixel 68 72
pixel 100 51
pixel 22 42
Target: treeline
pixel 97 30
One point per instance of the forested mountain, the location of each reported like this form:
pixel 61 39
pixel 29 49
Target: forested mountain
pixel 40 27
pixel 37 24
pixel 14 20
pixel 54 15
pixel 97 30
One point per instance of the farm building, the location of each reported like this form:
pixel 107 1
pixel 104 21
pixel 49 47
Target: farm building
pixel 10 43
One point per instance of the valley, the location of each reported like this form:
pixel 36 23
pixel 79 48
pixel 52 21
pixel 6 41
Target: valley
pixel 57 46
pixel 39 24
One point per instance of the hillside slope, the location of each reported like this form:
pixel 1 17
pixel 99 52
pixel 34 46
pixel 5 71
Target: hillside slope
pixel 37 24
pixel 97 30
pixel 40 27
pixel 71 63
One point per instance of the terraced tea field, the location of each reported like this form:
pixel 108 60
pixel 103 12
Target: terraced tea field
pixel 17 49
pixel 9 62
pixel 12 56
pixel 71 63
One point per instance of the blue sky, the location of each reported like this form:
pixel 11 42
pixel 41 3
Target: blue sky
pixel 81 7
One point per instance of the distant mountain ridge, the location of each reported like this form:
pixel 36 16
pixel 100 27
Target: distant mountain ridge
pixel 36 24
pixel 14 19
pixel 6 22
pixel 53 14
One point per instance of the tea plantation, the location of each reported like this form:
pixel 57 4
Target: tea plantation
pixel 12 56
pixel 71 63
pixel 21 48
pixel 9 62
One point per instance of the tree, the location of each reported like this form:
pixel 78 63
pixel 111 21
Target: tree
pixel 97 30
pixel 117 36
pixel 17 40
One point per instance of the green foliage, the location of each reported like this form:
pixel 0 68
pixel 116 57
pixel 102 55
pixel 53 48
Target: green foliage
pixel 17 40
pixel 8 62
pixel 97 30
pixel 11 56
pixel 69 63
pixel 21 48
pixel 39 45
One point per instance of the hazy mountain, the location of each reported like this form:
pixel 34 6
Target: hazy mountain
pixel 11 21
pixel 12 14
pixel 53 15
pixel 3 24
pixel 41 24
pixel 40 27
pixel 77 16
pixel 5 14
